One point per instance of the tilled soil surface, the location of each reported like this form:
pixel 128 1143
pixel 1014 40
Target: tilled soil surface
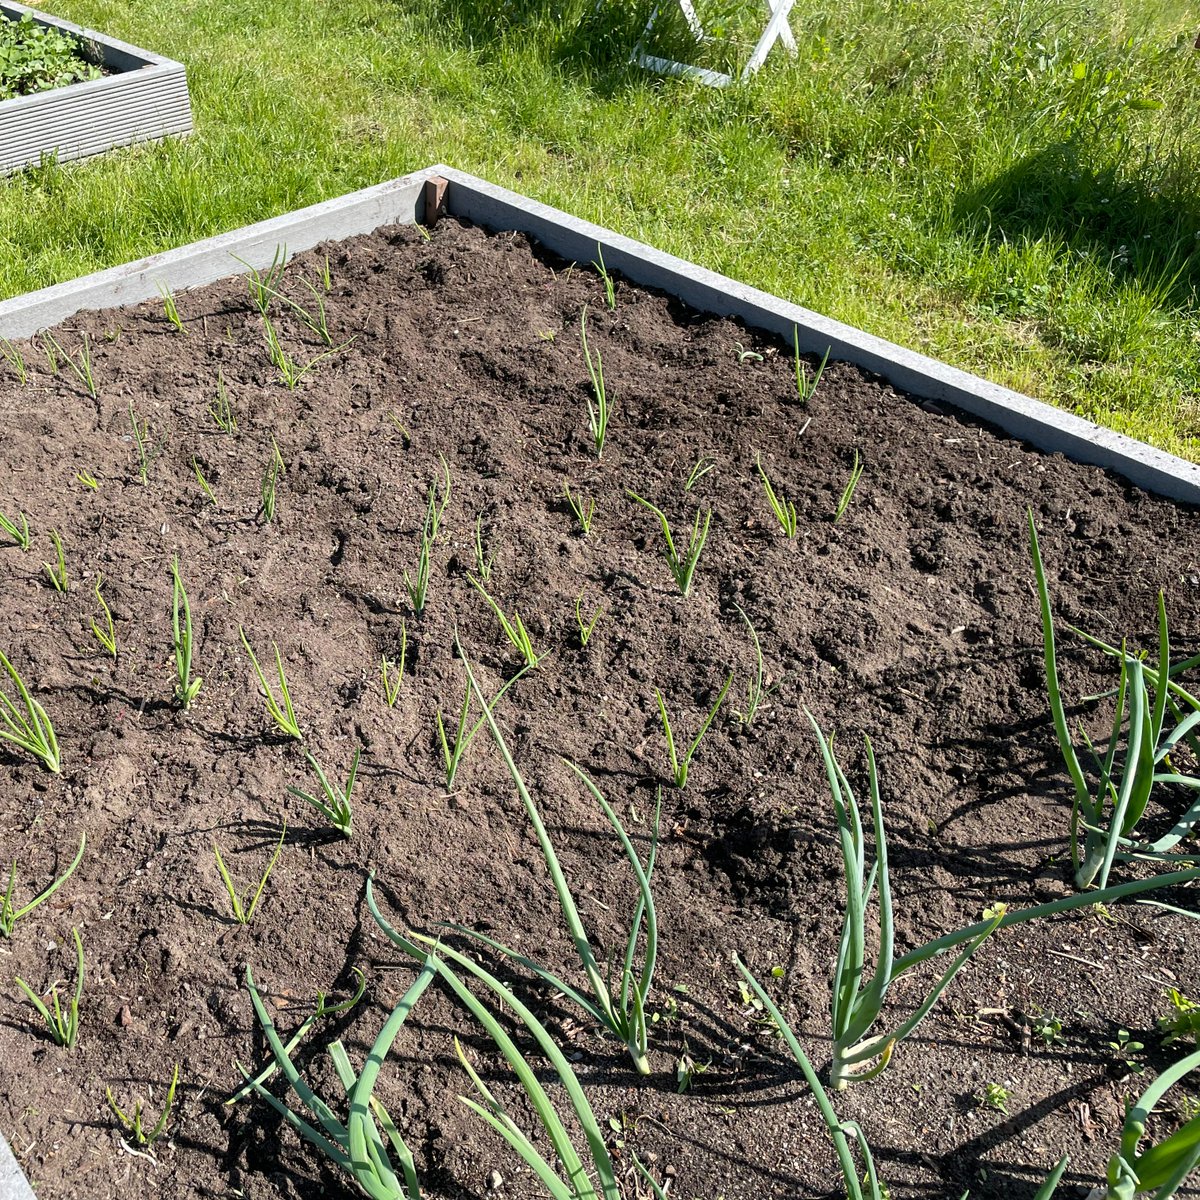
pixel 912 619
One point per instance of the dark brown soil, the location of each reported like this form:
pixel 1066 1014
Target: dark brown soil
pixel 913 620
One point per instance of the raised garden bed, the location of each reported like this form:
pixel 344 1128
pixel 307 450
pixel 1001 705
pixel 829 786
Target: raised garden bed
pixel 140 97
pixel 912 619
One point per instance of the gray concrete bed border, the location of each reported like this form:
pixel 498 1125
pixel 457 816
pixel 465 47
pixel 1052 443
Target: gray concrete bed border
pixel 145 98
pixel 406 199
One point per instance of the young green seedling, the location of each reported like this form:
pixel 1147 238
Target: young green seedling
pixel 203 482
pixel 703 465
pixel 49 345
pixel 186 688
pixel 679 766
pixel 848 491
pixel 291 371
pixel 514 629
pixel 452 753
pixel 583 510
pixel 15 359
pixel 784 510
pixel 138 1134
pixel 221 408
pixel 57 570
pixel 610 291
pixel 681 566
pixel 170 308
pixel 88 480
pixel 82 370
pixel 243 907
pixel 357 1147
pixel 270 481
pixel 393 673
pixel 63 1027
pixel 9 915
pixel 106 635
pixel 483 563
pixel 435 508
pixel 30 730
pixel 598 412
pixel 585 627
pixel 316 320
pixel 756 689
pixel 806 388
pixel 140 430
pixel 283 714
pixel 264 286
pixel 18 533
pixel 335 805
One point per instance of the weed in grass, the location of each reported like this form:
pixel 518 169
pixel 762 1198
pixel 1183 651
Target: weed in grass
pixel 453 752
pixel 848 491
pixel 283 714
pixel 514 628
pixel 994 1096
pixel 703 465
pixel 583 510
pixel 806 388
pixel 598 412
pixel 15 359
pixel 393 673
pixel 356 1147
pixel 88 480
pixel 680 766
pixel 483 563
pixel 140 430
pixel 18 532
pixel 275 471
pixel 57 570
pixel 9 915
pixel 585 627
pixel 221 407
pixel 682 567
pixel 243 907
pixel 610 291
pixel 756 690
pixel 264 286
pixel 82 370
pixel 186 688
pixel 841 1132
pixel 63 1027
pixel 170 308
pixel 203 482
pixel 30 730
pixel 106 635
pixel 1183 1021
pixel 137 1133
pixel 784 510
pixel 333 805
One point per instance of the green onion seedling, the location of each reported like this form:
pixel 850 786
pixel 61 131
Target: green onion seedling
pixel 483 562
pixel 9 915
pixel 565 1163
pixel 325 276
pixel 264 286
pixel 283 714
pixel 140 429
pixel 133 1127
pixel 291 371
pixel 18 533
pixel 106 636
pixel 405 436
pixel 88 480
pixel 756 689
pixel 583 510
pixel 170 308
pixel 30 731
pixel 840 1131
pixel 620 1008
pixel 48 346
pixel 186 688
pixel 335 806
pixel 610 291
pixel 784 510
pixel 679 766
pixel 57 570
pixel 704 464
pixel 393 673
pixel 598 412
pixel 316 320
pixel 453 753
pixel 806 388
pixel 357 1146
pixel 417 585
pixel 82 370
pixel 585 627
pixel 435 508
pixel 682 567
pixel 1050 1186
pixel 221 407
pixel 63 1027
pixel 203 482
pixel 848 491
pixel 514 629
pixel 15 359
pixel 243 907
pixel 270 482
pixel 746 355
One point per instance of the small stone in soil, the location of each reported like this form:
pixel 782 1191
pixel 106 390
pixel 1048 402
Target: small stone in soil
pixel 494 1181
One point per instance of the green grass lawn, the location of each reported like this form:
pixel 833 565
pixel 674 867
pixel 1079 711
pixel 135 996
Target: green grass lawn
pixel 1011 187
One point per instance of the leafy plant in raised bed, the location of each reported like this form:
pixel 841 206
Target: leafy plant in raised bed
pixel 620 1008
pixel 598 413
pixel 680 766
pixel 453 752
pixel 1183 1021
pixel 63 1027
pixel 106 635
pixel 435 508
pixel 514 628
pixel 57 570
pixel 18 532
pixel 682 566
pixel 30 730
pixel 784 510
pixel 186 688
pixel 132 1125
pixel 393 673
pixel 806 388
pixel 356 1145
pixel 37 58
pixel 9 915
pixel 283 714
pixel 1104 821
pixel 243 907
pixel 335 807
